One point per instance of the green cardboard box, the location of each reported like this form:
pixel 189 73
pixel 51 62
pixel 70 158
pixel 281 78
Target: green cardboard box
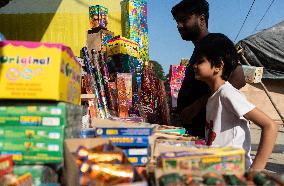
pixel 38 132
pixel 28 157
pixel 34 133
pixel 31 145
pixel 39 114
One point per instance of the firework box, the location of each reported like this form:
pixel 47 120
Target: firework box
pixel 32 151
pixel 28 157
pixel 129 141
pixel 177 74
pixel 119 128
pixel 6 165
pixel 39 114
pixel 36 133
pixel 122 45
pixel 30 145
pixel 135 25
pixel 97 39
pixel 40 174
pixel 70 167
pixel 39 71
pixel 98 16
pixel 122 96
pixel 252 74
pixel 127 78
pixel 227 160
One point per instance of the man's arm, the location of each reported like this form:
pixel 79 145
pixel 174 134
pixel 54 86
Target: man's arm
pixel 192 110
pixel 269 130
pixel 237 78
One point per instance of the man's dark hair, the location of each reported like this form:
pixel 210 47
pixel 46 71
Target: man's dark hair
pixel 198 7
pixel 217 47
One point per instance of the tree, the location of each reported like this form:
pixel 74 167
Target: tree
pixel 158 70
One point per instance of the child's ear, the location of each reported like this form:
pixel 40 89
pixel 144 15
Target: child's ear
pixel 220 66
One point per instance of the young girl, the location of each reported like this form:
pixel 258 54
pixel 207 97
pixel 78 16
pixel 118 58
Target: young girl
pixel 227 110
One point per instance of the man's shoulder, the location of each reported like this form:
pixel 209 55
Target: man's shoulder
pixel 213 35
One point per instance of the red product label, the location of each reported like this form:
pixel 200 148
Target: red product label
pixel 6 165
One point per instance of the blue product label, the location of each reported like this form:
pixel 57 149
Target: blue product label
pixel 129 141
pixel 124 131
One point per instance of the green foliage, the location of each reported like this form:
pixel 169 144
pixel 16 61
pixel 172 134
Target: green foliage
pixel 158 70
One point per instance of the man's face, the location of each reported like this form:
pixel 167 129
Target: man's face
pixel 188 26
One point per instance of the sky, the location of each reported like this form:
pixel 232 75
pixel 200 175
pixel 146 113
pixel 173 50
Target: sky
pixel 225 16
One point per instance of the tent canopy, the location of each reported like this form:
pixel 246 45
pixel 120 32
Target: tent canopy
pixel 266 49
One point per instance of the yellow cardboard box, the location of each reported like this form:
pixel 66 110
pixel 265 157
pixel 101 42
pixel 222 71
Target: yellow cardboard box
pixel 42 71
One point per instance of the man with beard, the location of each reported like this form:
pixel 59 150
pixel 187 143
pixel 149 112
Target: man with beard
pixel 192 17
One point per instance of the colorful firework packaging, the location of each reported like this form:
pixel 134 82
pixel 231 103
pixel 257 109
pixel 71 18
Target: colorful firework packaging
pixel 157 99
pixel 136 27
pixel 91 83
pixel 128 83
pixel 177 74
pixel 164 108
pixel 134 111
pixel 100 82
pixel 122 96
pixel 106 79
pixel 227 160
pixel 113 92
pixel 147 97
pixel 127 78
pixel 98 16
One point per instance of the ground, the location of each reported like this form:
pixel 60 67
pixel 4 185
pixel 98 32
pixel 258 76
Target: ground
pixel 276 160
